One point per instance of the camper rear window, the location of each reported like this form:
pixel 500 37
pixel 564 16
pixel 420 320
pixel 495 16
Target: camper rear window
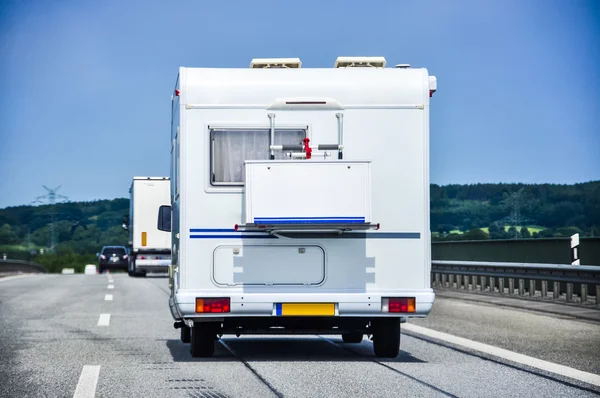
pixel 231 147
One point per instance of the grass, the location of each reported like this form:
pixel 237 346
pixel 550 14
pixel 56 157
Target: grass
pixel 18 248
pixel 531 228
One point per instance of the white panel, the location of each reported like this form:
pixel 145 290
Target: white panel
pixel 574 240
pixel 348 86
pixel 395 143
pixel 272 265
pixel 148 196
pixel 322 189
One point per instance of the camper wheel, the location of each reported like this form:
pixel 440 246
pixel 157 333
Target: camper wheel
pixel 186 334
pixel 352 337
pixel 203 340
pixel 386 337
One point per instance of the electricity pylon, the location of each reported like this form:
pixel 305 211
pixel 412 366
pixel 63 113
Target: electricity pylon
pixel 51 198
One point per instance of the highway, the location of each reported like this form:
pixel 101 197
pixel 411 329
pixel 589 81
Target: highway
pixel 112 336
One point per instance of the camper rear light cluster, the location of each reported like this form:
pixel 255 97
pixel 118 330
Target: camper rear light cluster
pixel 398 304
pixel 212 305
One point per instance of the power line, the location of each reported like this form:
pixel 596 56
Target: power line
pixel 51 198
pixel 515 219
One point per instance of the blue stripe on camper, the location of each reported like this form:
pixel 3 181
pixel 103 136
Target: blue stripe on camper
pixel 278 309
pixel 393 235
pixel 227 233
pixel 309 220
pixel 212 230
pixel 233 236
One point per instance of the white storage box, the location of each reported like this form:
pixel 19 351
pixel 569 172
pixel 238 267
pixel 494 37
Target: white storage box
pixel 308 194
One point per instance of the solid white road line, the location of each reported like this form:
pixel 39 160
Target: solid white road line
pixel 506 354
pixel 111 286
pixel 86 387
pixel 108 297
pixel 104 320
pixel 10 278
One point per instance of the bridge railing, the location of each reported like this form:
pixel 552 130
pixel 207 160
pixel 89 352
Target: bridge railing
pixel 19 266
pixel 557 282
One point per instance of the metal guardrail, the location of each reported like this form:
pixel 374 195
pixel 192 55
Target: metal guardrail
pixel 15 266
pixel 576 282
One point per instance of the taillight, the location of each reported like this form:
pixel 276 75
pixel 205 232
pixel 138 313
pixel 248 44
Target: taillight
pixel 212 305
pixel 398 304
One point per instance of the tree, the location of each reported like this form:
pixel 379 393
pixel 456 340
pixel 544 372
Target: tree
pixel 496 231
pixel 476 234
pixel 466 225
pixel 525 234
pixel 7 236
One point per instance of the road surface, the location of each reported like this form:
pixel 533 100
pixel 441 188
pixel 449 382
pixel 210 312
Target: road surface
pixel 113 336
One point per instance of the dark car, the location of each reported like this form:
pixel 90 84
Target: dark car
pixel 113 257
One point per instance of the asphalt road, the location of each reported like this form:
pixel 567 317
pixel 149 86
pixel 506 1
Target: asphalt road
pixel 61 337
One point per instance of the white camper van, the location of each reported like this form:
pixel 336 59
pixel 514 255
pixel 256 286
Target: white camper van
pixel 300 201
pixel 150 248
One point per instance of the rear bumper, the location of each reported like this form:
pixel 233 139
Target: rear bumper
pixel 352 305
pixel 120 265
pixel 152 265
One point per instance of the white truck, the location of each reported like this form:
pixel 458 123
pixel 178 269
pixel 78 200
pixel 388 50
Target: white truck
pixel 150 248
pixel 300 201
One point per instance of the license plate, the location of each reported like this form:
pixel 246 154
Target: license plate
pixel 305 309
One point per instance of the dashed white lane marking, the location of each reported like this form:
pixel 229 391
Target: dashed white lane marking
pixel 108 297
pixel 104 320
pixel 111 286
pixel 506 354
pixel 88 380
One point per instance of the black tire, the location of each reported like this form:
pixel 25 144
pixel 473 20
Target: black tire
pixel 386 337
pixel 352 337
pixel 186 334
pixel 132 272
pixel 100 270
pixel 203 340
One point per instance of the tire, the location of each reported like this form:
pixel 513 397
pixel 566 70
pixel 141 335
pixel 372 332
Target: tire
pixel 203 340
pixel 100 270
pixel 132 272
pixel 386 337
pixel 353 337
pixel 186 334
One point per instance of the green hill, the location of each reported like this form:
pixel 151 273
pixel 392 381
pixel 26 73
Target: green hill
pixel 80 231
pixel 496 210
pixel 477 211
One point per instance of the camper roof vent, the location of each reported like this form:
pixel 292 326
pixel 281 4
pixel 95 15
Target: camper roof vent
pixel 349 62
pixel 403 66
pixel 258 63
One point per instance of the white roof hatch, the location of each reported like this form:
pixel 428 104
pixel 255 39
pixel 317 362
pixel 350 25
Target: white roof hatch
pixel 258 63
pixel 348 62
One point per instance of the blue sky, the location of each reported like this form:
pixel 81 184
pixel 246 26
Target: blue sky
pixel 86 85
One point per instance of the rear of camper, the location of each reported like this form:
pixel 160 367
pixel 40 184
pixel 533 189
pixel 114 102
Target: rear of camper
pixel 150 247
pixel 300 201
